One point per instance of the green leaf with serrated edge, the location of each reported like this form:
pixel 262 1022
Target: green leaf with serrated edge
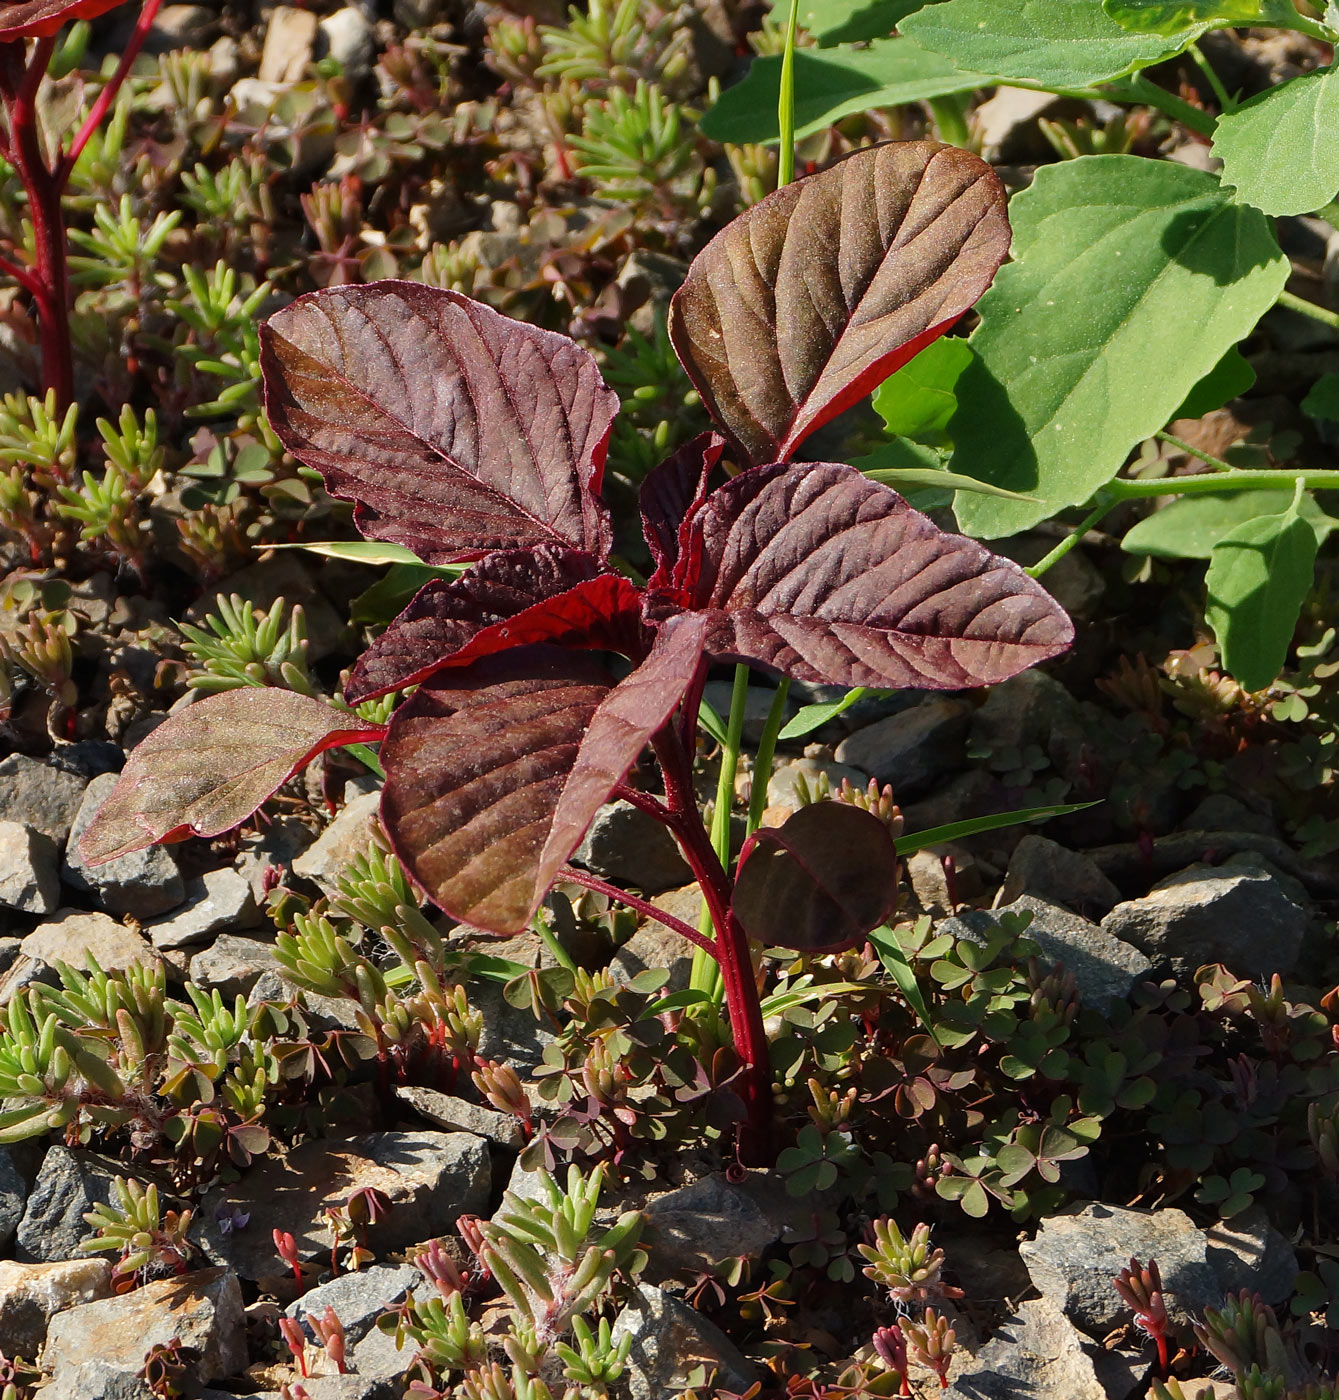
pixel 899 968
pixel 833 83
pixel 911 842
pixel 1052 43
pixel 1258 579
pixel 813 717
pixel 919 399
pixel 1229 379
pixel 1322 400
pixel 849 21
pixel 1279 150
pixel 1081 351
pixel 1174 17
pixel 1190 527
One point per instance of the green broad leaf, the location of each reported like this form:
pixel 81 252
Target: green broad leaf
pixel 1050 43
pixel 1322 400
pixel 1258 579
pixel 849 21
pixel 1175 17
pixel 1191 527
pixel 1081 352
pixel 1229 379
pixel 899 968
pixel 833 83
pixel 919 399
pixel 358 551
pixel 911 842
pixel 813 717
pixel 1279 150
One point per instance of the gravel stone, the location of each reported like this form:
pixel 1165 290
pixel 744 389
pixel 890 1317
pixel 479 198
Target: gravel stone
pixel 73 934
pixel 346 838
pixel 290 42
pixel 69 1182
pixel 461 1116
pixel 348 38
pixel 783 788
pixel 626 845
pixel 1047 870
pixel 655 946
pixel 669 1341
pixel 358 1298
pixel 40 795
pixel 142 884
pixel 215 901
pixel 1248 1252
pixel 233 965
pixel 32 1294
pixel 29 878
pixel 911 750
pixel 697 1226
pixel 13 1198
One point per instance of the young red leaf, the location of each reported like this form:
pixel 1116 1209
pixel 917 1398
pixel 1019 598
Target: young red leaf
pixel 495 770
pixel 509 599
pixel 828 577
pixel 818 883
pixel 455 429
pixel 21 19
pixel 812 297
pixel 671 493
pixel 206 769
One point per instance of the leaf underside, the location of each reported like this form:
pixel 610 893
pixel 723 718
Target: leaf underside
pixel 819 573
pixel 813 296
pixel 456 430
pixel 203 771
pixel 22 18
pixel 495 771
pixel 818 883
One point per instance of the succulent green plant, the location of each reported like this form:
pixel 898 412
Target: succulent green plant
pixel 134 1224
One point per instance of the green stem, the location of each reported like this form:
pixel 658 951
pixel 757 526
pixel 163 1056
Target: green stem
pixel 1309 308
pixel 762 767
pixel 1216 463
pixel 1071 539
pixel 1226 101
pixel 785 107
pixel 1140 89
pixel 950 114
pixel 1205 485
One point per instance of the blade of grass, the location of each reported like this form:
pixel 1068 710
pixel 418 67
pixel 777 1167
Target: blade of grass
pixel 914 841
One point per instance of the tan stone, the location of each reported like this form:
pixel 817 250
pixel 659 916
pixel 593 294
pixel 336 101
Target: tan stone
pixel 32 1294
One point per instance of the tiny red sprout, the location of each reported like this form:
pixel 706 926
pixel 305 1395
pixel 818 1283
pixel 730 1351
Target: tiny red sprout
pixel 437 1266
pixel 296 1341
pixel 1141 1290
pixel 287 1248
pixel 470 1231
pixel 891 1348
pixel 330 1331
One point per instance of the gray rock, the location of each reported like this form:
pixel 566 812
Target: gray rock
pixel 1237 913
pixel 626 845
pixel 658 947
pixel 430 1179
pixel 97 1380
pixel 69 1182
pixel 233 965
pixel 202 1310
pixel 380 1364
pixel 1049 871
pixel 1020 712
pixel 32 1294
pixel 357 1298
pixel 758 700
pixel 698 1226
pixel 911 750
pixel 290 42
pixel 29 878
pixel 1076 1255
pixel 510 1034
pixel 215 901
pixel 347 37
pixel 181 27
pixel 461 1116
pixel 142 884
pixel 1248 1252
pixel 40 795
pixel 1038 1355
pixel 346 838
pixel 278 846
pixel 72 935
pixel 654 277
pixel 1222 812
pixel 783 788
pixel 674 1347
pixel 1104 968
pixel 13 1198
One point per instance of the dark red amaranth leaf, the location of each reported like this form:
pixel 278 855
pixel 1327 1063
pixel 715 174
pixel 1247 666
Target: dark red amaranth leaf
pixel 818 883
pixel 495 770
pixel 671 493
pixel 22 19
pixel 819 573
pixel 457 430
pixel 206 769
pixel 509 599
pixel 812 297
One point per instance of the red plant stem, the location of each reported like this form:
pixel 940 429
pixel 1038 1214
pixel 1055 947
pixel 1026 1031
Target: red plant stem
pixel 644 801
pixel 21 275
pixel 108 95
pixel 641 906
pixel 1161 1339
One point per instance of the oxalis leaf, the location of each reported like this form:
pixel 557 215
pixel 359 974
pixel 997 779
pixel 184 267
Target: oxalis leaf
pixel 833 83
pixel 20 19
pixel 817 572
pixel 814 295
pixel 1258 579
pixel 1080 353
pixel 494 771
pixel 455 429
pixel 206 769
pixel 1052 43
pixel 1279 150
pixel 819 882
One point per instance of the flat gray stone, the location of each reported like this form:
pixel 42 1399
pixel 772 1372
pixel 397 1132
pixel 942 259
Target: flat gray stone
pixel 216 901
pixel 40 795
pixel 1075 1255
pixel 233 965
pixel 72 935
pixel 142 884
pixel 346 838
pixel 1246 1251
pixel 13 1198
pixel 674 1347
pixel 511 1034
pixel 290 42
pixel 626 845
pixel 460 1116
pixel 32 1294
pixel 1237 913
pixel 29 869
pixel 912 749
pixel 653 946
pixel 96 1380
pixel 358 1298
pixel 69 1182
pixel 698 1226
pixel 1047 870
